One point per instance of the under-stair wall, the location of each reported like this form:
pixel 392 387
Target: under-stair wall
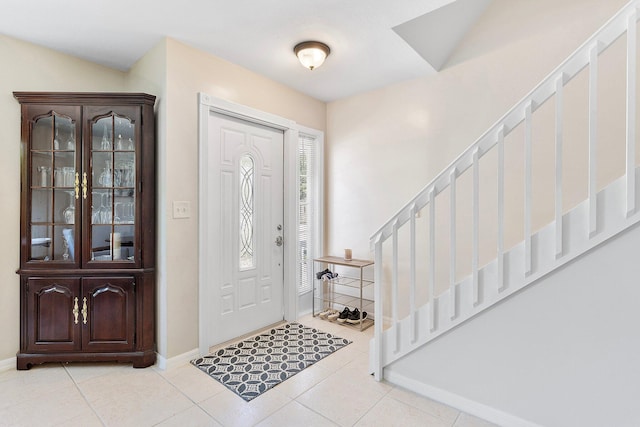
pixel 562 352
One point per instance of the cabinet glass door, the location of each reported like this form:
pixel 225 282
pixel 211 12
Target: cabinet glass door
pixel 54 189
pixel 113 189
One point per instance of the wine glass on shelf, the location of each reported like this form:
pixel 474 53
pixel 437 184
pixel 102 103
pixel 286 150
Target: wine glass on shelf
pixel 105 209
pixel 56 141
pixel 71 144
pixel 105 144
pixel 44 175
pixel 105 176
pixel 69 212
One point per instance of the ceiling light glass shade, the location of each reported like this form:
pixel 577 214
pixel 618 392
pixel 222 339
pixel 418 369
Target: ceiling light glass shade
pixel 311 54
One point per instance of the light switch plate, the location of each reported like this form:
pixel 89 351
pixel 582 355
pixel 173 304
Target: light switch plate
pixel 181 209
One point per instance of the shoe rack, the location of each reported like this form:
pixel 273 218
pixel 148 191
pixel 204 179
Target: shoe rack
pixel 349 289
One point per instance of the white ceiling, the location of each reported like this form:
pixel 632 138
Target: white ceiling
pixel 366 53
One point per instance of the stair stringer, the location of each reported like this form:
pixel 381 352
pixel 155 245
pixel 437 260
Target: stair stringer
pixel 611 220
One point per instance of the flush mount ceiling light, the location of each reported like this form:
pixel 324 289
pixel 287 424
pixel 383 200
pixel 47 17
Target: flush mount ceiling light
pixel 311 54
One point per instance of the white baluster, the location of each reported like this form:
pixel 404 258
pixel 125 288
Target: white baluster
pixel 432 257
pixel 631 112
pixel 452 248
pixel 593 118
pixel 475 226
pixel 559 140
pixel 378 307
pixel 412 272
pixel 527 187
pixel 500 251
pixel 394 288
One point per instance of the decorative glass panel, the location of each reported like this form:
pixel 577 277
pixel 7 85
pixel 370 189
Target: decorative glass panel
pixel 246 212
pixel 53 187
pixel 113 196
pixel 41 248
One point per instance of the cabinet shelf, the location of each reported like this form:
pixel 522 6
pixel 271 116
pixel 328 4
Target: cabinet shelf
pixel 352 282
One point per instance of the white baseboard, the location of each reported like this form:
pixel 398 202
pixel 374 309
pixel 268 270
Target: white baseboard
pixel 8 364
pixel 461 403
pixel 177 361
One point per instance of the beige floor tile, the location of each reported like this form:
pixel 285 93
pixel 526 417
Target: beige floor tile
pixel 357 372
pixel 360 340
pixel 303 381
pixel 56 407
pixel 119 383
pixel 429 406
pixel 294 414
pixel 87 419
pixel 466 420
pixel 193 382
pixel 9 375
pixel 333 328
pixel 88 371
pixel 391 413
pixel 31 385
pixel 138 397
pixel 231 410
pixel 341 401
pixel 192 417
pixel 339 358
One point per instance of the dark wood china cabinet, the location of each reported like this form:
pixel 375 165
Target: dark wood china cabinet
pixel 87 228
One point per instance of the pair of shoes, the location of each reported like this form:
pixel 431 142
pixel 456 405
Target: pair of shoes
pixel 322 273
pixel 352 317
pixel 336 315
pixel 327 313
pixel 329 276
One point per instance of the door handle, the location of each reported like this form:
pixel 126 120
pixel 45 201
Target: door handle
pixel 76 185
pixel 75 310
pixel 279 241
pixel 84 311
pixel 84 185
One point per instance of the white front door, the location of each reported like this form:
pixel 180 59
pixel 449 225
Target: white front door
pixel 246 182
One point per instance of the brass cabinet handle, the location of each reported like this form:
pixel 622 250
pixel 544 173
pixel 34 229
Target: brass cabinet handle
pixel 75 310
pixel 84 185
pixel 84 310
pixel 77 185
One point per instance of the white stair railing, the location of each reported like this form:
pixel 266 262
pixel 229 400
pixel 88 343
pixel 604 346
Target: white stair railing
pixel 392 341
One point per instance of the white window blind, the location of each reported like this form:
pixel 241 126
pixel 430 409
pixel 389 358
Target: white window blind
pixel 308 205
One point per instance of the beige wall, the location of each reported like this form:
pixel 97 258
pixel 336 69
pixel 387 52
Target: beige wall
pixel 149 75
pixel 386 145
pixel 26 67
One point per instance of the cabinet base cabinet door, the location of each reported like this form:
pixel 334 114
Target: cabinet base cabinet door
pixel 53 314
pixel 110 307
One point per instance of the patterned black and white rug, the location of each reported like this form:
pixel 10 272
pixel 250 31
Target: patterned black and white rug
pixel 257 364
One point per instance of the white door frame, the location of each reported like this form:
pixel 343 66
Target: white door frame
pixel 207 252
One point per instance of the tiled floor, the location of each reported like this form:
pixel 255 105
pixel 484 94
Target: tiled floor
pixel 337 391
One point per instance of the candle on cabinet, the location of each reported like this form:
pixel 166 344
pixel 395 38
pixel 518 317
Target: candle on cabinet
pixel 116 251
